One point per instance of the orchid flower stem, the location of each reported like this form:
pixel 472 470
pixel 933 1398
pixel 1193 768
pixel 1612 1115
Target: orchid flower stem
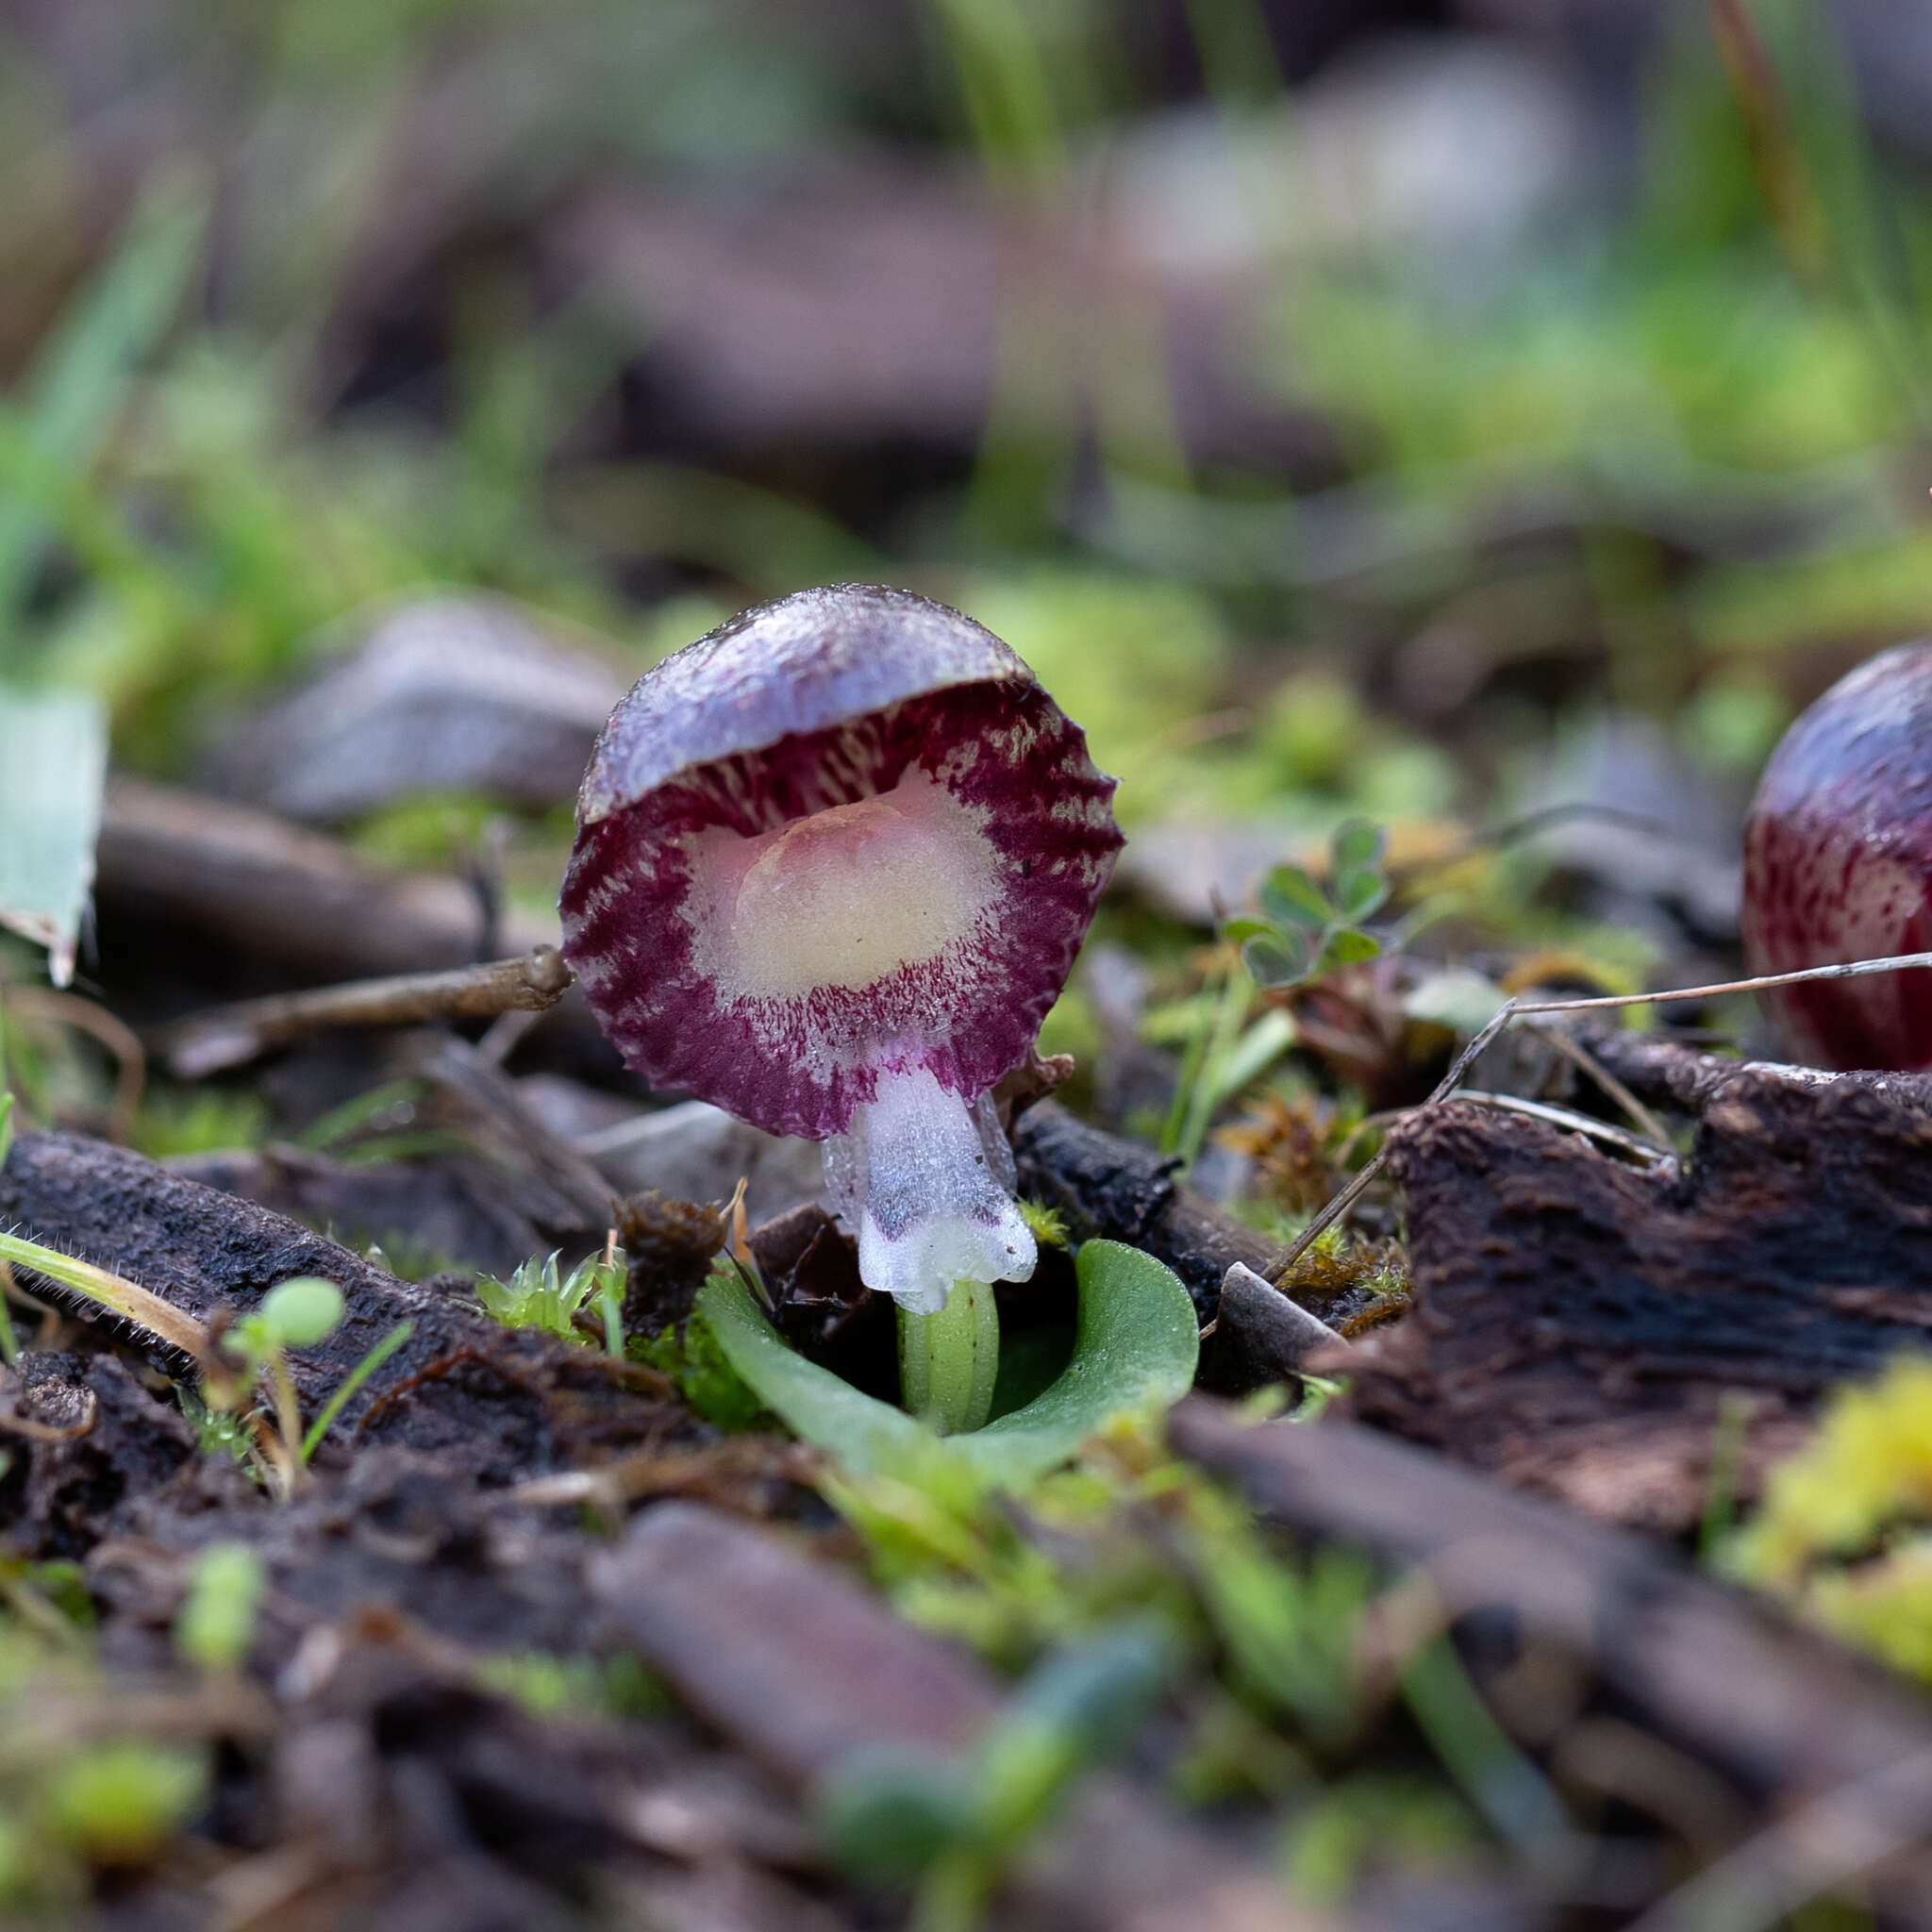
pixel 947 1362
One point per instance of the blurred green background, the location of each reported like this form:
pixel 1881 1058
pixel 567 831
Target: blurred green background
pixel 1428 409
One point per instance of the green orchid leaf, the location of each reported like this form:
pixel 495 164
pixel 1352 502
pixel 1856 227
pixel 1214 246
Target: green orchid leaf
pixel 866 1434
pixel 1134 1349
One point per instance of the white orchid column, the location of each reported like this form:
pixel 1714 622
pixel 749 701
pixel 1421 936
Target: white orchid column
pixel 927 1184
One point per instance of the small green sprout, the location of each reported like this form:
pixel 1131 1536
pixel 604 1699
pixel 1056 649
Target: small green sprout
pixel 216 1628
pixel 296 1313
pixel 1306 929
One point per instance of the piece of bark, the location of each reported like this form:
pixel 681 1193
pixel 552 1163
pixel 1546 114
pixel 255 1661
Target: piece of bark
pixel 519 1400
pixel 1675 1072
pixel 1260 1335
pixel 1578 1322
pixel 1121 1190
pixel 298 898
pixel 783 1653
pixel 1784 1714
pixel 806 1670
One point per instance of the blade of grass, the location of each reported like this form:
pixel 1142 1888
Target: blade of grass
pixel 127 1299
pixel 353 1381
pixel 10 1342
pixel 82 378
pixel 1211 1085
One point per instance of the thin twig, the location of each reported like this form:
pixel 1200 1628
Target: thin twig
pixel 1580 1056
pixel 1822 1844
pixel 116 1036
pixel 1855 968
pixel 1515 1008
pixel 1573 1123
pixel 16 1425
pixel 227 1036
pixel 1352 1192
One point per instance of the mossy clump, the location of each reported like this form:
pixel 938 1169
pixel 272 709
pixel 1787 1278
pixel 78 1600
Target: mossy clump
pixel 1845 1531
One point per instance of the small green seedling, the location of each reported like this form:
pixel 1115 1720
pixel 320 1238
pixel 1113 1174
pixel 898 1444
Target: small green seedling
pixel 215 1628
pixel 1305 929
pixel 294 1314
pixel 297 1313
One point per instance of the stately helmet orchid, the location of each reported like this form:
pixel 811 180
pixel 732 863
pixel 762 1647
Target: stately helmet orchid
pixel 833 862
pixel 1838 866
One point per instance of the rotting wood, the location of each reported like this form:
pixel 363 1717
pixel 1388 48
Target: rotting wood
pixel 1105 1186
pixel 1577 1323
pixel 522 1401
pixel 804 1670
pixel 1787 1717
pixel 1675 1072
pixel 452 1207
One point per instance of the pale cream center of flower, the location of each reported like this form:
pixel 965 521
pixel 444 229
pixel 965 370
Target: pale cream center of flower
pixel 842 897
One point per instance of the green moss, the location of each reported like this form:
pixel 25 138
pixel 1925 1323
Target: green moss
pixel 693 1361
pixel 174 1120
pixel 120 1802
pixel 547 1685
pixel 1844 1531
pixel 1367 1820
